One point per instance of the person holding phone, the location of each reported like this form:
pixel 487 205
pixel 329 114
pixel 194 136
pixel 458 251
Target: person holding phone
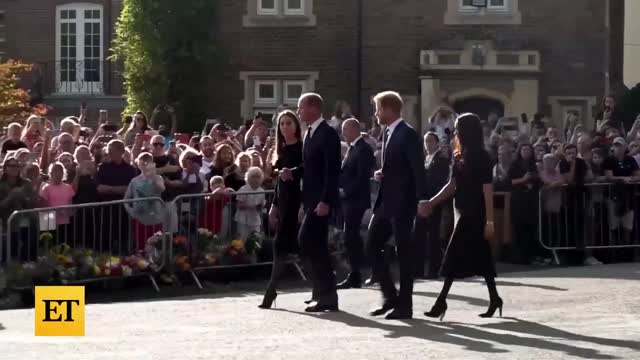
pixel 609 117
pixel 139 125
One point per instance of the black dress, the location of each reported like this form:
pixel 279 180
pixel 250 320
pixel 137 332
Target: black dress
pixel 288 199
pixel 469 253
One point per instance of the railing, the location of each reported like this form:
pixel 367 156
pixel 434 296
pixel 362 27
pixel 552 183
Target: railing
pixel 594 216
pixel 72 77
pixel 84 243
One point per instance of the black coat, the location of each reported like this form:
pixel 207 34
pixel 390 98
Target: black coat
pixel 321 168
pixel 404 182
pixel 355 178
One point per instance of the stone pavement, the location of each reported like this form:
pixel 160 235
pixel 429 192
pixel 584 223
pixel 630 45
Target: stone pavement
pixel 560 313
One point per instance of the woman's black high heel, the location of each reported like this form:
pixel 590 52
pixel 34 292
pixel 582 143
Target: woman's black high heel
pixel 493 306
pixel 269 298
pixel 438 310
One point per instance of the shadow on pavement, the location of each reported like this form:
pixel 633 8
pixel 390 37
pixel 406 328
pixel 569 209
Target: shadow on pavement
pixel 475 338
pixel 2 327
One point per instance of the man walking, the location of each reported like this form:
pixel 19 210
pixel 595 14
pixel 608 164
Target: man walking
pixel 355 193
pixel 320 172
pixel 402 185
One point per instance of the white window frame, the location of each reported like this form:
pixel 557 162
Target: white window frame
pixel 276 91
pixel 268 11
pixel 79 85
pixel 285 86
pixel 294 11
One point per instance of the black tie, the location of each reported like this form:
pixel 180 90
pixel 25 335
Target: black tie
pixel 385 139
pixel 306 139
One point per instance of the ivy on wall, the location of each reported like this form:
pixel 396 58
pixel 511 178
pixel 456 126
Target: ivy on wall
pixel 169 54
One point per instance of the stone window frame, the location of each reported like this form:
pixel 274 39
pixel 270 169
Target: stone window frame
pixel 283 16
pixel 456 14
pixel 251 104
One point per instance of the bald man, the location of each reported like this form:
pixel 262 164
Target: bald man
pixel 355 194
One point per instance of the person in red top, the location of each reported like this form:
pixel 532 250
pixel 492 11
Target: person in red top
pixel 212 217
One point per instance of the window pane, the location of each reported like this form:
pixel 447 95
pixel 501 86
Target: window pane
pixel 96 28
pixel 72 28
pixel 72 14
pixel 497 2
pixel 268 4
pixel 64 14
pixel 96 40
pixel 87 28
pixel 72 40
pixel 266 91
pixel 72 52
pixel 466 2
pixel 64 51
pixel 64 28
pixel 64 40
pixel 294 91
pixel 294 4
pixel 87 14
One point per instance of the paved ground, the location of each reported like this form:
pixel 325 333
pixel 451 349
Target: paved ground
pixel 590 313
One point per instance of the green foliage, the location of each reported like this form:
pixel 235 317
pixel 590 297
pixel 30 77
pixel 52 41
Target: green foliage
pixel 630 105
pixel 169 52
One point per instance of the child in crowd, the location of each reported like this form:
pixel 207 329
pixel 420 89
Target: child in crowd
pixel 148 216
pixel 57 193
pixel 249 214
pixel 216 215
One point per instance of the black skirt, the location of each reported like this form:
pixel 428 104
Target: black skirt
pixel 468 253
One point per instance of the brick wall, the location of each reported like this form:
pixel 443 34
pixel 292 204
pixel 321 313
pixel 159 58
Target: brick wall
pixel 568 34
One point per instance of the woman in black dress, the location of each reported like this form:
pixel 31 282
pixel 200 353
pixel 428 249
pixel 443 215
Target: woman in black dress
pixel 286 204
pixel 469 251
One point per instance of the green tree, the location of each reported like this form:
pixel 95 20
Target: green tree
pixel 169 53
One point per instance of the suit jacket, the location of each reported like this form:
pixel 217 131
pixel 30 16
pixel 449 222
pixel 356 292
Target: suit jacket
pixel 437 173
pixel 321 167
pixel 403 183
pixel 355 178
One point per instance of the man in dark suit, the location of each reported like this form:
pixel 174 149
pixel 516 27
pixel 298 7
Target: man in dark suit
pixel 355 192
pixel 320 172
pixel 402 186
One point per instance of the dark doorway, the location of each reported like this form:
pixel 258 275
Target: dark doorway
pixel 480 106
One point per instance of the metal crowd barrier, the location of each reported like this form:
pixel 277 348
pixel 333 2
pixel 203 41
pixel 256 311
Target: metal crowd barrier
pixel 595 216
pixel 84 243
pixel 215 231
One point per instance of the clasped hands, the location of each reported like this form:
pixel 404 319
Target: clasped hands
pixel 425 208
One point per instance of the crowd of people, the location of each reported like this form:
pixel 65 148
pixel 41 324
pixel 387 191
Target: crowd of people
pixel 83 161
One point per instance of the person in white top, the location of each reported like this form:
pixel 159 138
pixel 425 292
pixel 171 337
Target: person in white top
pixel 250 204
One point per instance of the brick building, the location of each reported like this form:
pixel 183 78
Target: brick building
pixel 512 56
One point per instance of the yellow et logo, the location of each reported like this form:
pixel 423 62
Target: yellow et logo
pixel 59 311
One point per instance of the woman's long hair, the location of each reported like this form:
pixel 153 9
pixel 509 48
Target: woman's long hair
pixel 528 164
pixel 469 140
pixel 280 142
pixel 145 126
pixel 217 159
